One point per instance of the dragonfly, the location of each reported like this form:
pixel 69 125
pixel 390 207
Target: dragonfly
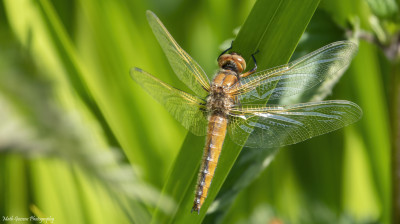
pixel 226 104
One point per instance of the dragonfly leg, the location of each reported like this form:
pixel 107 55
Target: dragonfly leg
pixel 225 50
pixel 253 69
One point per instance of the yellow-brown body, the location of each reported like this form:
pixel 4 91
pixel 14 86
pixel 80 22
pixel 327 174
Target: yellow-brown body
pixel 218 104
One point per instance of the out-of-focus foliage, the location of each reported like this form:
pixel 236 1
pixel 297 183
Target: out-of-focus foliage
pixel 80 142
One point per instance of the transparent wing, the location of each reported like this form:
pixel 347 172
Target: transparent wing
pixel 187 69
pixel 275 126
pixel 297 76
pixel 184 107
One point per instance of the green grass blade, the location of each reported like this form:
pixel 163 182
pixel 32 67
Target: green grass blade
pixel 53 31
pixel 374 125
pixel 273 27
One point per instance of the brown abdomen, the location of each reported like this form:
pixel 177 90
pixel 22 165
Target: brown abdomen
pixel 215 138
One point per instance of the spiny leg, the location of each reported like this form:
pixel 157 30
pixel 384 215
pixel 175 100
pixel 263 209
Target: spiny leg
pixel 252 70
pixel 225 50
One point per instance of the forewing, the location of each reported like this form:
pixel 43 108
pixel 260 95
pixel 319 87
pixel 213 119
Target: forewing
pixel 275 126
pixel 184 107
pixel 187 69
pixel 297 76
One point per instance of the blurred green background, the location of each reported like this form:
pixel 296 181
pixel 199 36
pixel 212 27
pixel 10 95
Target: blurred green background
pixel 80 142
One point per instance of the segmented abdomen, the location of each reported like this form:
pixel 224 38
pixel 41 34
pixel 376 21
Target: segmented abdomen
pixel 215 138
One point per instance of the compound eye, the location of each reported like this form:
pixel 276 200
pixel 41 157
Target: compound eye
pixel 223 59
pixel 240 63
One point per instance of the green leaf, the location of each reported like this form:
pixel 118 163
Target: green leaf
pixel 383 8
pixel 270 30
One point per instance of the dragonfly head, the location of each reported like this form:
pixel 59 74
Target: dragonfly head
pixel 232 61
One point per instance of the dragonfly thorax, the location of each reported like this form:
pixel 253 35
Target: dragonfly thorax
pixel 220 101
